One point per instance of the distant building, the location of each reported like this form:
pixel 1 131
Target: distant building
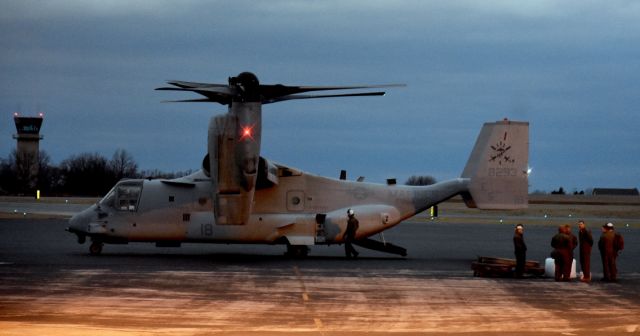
pixel 28 149
pixel 615 192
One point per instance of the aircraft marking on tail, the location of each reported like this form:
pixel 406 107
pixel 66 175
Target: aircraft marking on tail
pixel 499 151
pixel 497 167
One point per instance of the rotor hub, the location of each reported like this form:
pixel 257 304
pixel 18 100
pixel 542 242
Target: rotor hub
pixel 248 87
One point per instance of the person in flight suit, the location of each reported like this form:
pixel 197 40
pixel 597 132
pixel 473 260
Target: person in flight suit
pixel 573 240
pixel 586 243
pixel 520 250
pixel 610 245
pixel 561 244
pixel 350 234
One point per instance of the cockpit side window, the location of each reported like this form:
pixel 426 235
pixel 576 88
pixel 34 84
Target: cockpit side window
pixel 128 195
pixel 109 200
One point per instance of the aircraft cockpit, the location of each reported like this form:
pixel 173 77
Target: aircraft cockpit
pixel 124 196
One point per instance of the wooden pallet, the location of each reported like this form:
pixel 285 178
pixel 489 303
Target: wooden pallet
pixel 503 267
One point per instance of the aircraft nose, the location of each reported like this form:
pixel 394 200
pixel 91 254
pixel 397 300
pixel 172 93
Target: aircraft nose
pixel 78 224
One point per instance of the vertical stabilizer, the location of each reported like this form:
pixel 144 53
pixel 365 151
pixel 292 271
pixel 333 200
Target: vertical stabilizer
pixel 497 167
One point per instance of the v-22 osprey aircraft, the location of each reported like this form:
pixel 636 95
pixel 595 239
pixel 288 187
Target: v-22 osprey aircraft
pixel 241 197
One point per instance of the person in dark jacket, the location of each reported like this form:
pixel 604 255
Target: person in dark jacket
pixel 561 253
pixel 586 243
pixel 520 250
pixel 350 234
pixel 610 245
pixel 568 263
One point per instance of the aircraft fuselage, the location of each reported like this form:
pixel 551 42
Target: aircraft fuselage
pixel 302 209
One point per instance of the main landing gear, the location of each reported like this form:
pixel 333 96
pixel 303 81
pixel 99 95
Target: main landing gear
pixel 297 251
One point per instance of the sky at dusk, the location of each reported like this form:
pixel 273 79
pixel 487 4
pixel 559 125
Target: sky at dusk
pixel 570 68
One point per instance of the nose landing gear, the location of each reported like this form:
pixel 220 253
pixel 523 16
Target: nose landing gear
pixel 96 248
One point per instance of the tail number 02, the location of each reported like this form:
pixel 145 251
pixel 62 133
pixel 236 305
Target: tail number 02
pixel 501 172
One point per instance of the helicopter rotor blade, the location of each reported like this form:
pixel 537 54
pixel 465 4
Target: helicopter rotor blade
pixel 203 100
pixel 222 90
pixel 279 90
pixel 246 87
pixel 184 84
pixel 294 97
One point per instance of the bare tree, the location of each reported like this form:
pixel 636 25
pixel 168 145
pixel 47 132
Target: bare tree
pixel 7 177
pixel 87 175
pixel 25 166
pixel 123 165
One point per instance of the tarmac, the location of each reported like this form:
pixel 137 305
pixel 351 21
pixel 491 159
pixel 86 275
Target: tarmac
pixel 50 285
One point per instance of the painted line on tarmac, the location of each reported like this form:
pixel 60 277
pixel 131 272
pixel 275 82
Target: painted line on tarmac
pixel 305 299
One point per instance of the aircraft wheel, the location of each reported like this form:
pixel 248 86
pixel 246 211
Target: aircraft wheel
pixel 81 239
pixel 96 248
pixel 297 251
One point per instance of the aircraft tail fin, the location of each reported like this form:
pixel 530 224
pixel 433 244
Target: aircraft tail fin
pixel 497 167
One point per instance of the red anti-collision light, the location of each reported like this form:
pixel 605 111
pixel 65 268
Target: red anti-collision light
pixel 246 133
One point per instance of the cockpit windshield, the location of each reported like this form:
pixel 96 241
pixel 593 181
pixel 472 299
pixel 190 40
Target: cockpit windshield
pixel 109 199
pixel 124 196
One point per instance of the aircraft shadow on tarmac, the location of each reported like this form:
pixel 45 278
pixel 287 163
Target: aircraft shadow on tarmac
pixel 212 261
pixel 228 257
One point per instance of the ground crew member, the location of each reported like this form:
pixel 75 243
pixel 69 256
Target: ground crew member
pixel 573 240
pixel 586 243
pixel 520 250
pixel 561 253
pixel 350 234
pixel 610 245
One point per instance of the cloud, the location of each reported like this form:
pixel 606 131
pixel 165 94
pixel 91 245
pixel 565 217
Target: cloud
pixel 569 67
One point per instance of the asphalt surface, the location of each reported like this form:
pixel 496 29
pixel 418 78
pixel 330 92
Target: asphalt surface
pixel 64 209
pixel 50 285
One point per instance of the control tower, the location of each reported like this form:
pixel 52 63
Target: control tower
pixel 28 150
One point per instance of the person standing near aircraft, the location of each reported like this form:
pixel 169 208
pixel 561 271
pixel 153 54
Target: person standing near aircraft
pixel 350 234
pixel 573 243
pixel 520 250
pixel 561 244
pixel 610 245
pixel 586 243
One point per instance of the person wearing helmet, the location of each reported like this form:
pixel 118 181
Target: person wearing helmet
pixel 350 234
pixel 520 250
pixel 610 245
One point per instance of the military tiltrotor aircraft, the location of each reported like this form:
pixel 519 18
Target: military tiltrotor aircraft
pixel 240 197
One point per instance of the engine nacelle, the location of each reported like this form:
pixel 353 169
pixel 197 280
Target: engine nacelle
pixel 234 153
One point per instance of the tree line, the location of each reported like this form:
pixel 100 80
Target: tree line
pixel 85 174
